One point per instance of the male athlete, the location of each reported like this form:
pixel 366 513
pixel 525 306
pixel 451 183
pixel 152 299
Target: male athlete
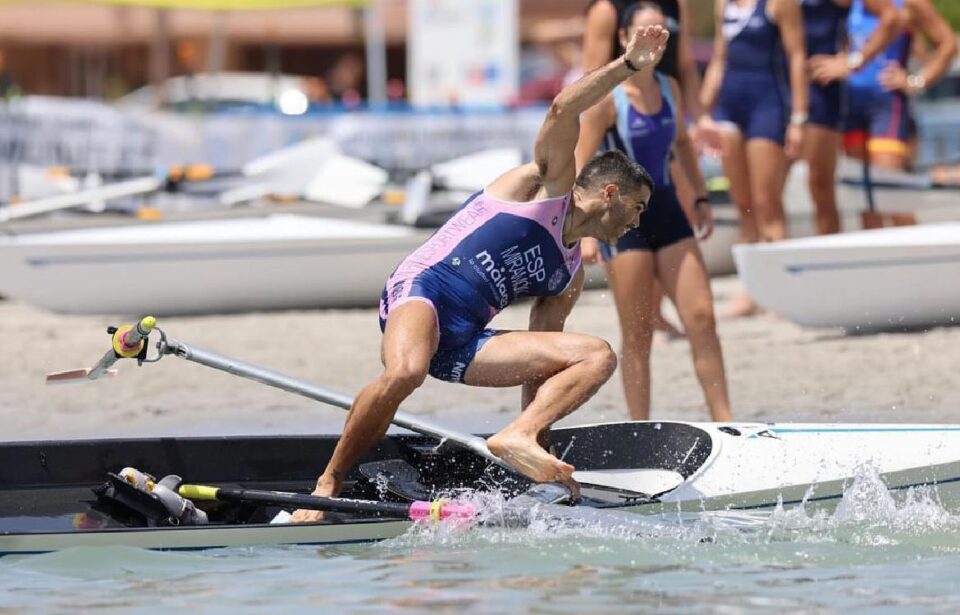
pixel 519 237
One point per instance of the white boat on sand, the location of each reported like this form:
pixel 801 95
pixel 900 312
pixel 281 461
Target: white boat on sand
pixel 881 279
pixel 211 266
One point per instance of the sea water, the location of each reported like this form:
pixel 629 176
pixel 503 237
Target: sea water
pixel 872 554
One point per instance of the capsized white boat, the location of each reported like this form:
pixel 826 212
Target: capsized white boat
pixel 282 261
pixel 865 280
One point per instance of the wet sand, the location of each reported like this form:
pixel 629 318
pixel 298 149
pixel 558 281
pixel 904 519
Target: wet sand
pixel 777 372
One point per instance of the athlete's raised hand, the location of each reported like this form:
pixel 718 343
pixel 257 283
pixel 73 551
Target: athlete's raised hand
pixel 647 46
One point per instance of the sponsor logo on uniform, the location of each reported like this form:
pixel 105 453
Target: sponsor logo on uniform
pixel 456 261
pixel 457 370
pixel 554 221
pixel 555 280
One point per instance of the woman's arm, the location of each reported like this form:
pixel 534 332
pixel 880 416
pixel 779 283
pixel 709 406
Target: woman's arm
pixel 828 68
pixel 714 75
pixel 698 212
pixel 923 17
pixel 599 31
pixel 687 65
pixel 787 15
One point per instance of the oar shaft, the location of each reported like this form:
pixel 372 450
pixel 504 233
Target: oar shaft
pixel 437 510
pixel 287 383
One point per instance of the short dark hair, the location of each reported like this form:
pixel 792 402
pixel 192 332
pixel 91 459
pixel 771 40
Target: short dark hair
pixel 614 167
pixel 644 5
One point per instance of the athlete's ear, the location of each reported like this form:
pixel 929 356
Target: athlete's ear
pixel 610 191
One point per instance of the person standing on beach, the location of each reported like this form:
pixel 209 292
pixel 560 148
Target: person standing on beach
pixel 601 43
pixel 878 119
pixel 519 237
pixel 756 93
pixel 644 121
pixel 830 65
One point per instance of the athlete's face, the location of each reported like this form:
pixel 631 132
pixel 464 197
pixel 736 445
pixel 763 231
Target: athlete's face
pixel 622 211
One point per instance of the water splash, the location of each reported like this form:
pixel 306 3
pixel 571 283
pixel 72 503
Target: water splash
pixel 867 515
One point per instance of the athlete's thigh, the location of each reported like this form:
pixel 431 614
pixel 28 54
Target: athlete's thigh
pixel 681 269
pixel 768 166
pixel 734 159
pixel 820 148
pixel 411 335
pixel 631 276
pixel 512 358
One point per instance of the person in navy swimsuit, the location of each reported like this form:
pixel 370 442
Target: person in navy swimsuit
pixel 642 119
pixel 830 65
pixel 518 238
pixel 877 124
pixel 755 90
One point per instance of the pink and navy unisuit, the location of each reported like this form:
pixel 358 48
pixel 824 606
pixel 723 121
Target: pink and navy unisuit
pixel 488 255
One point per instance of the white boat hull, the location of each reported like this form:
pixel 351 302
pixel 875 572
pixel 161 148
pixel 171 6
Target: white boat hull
pixel 867 280
pixel 893 193
pixel 273 263
pixel 811 463
pixel 721 466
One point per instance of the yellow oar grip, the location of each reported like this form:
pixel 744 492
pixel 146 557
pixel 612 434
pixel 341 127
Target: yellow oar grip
pixel 199 492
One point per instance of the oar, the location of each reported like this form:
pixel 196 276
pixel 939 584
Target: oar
pixel 129 340
pixel 436 510
pixel 290 384
pixel 519 512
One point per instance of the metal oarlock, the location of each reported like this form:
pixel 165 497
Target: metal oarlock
pixel 127 342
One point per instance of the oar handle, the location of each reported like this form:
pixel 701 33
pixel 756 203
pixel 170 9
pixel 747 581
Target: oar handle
pixel 127 342
pixel 436 510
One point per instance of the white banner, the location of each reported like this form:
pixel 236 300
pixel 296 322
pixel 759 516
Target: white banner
pixel 462 52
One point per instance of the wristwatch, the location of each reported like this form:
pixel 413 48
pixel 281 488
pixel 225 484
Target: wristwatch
pixel 854 61
pixel 917 84
pixel 799 118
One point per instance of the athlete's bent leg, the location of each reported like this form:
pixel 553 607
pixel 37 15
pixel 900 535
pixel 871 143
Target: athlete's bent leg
pixel 409 342
pixel 569 368
pixel 685 278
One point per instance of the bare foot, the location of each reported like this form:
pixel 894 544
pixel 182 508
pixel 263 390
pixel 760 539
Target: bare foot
pixel 304 515
pixel 741 306
pixel 528 458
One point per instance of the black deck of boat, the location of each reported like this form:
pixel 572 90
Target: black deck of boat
pixel 55 477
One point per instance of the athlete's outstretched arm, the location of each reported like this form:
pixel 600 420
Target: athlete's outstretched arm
pixel 553 152
pixel 550 314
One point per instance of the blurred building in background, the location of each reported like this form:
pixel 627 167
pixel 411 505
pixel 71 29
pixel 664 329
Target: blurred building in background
pixel 105 50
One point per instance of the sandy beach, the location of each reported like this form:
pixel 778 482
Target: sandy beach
pixel 777 372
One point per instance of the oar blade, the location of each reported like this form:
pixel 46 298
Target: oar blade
pixel 74 376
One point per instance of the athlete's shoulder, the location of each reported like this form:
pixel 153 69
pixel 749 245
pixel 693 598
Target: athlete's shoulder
pixel 520 184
